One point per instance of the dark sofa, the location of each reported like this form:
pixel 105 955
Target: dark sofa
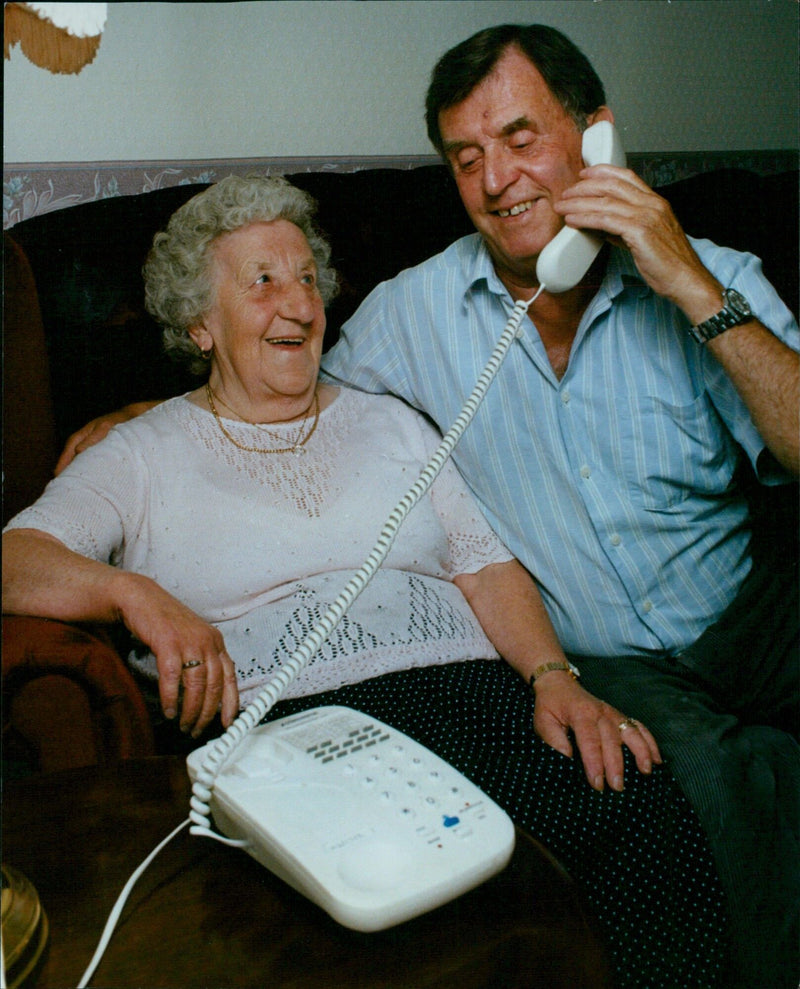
pixel 78 343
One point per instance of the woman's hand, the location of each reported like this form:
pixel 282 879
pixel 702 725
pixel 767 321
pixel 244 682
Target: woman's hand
pixel 600 731
pixel 195 673
pixel 509 607
pixel 41 576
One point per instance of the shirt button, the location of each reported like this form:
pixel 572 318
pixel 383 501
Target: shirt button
pixel 647 606
pixel 565 396
pixel 586 471
pixel 616 539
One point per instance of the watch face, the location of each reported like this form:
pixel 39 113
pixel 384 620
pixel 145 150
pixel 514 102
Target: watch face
pixel 737 302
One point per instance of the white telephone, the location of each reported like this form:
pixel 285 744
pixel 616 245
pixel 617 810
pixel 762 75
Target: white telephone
pixel 568 256
pixel 364 821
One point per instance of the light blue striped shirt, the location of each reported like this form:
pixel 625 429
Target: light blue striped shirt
pixel 613 485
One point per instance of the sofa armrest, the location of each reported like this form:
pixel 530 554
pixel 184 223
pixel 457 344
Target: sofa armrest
pixel 68 697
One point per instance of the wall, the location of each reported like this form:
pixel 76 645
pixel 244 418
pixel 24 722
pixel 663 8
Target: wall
pixel 339 77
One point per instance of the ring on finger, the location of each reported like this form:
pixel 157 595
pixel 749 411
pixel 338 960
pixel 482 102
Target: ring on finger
pixel 192 663
pixel 628 723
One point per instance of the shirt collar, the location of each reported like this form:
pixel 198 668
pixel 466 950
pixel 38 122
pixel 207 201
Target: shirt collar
pixel 621 272
pixel 480 269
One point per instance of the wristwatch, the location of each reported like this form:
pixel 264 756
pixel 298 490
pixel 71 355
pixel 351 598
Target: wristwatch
pixel 560 664
pixel 736 310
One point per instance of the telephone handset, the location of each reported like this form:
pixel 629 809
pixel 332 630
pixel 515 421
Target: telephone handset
pixel 568 256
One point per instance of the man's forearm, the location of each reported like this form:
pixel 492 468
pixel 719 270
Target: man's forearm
pixel 762 368
pixel 98 429
pixel 766 373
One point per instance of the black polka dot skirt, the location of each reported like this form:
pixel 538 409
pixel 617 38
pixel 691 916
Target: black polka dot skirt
pixel 640 856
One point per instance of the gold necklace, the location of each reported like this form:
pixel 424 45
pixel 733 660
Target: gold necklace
pixel 298 446
pixel 260 425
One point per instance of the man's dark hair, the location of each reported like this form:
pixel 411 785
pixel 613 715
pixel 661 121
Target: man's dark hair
pixel 563 66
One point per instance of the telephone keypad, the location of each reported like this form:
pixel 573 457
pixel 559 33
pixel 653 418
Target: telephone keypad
pixel 406 783
pixel 371 759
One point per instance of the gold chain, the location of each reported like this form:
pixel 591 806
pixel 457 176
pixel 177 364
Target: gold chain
pixel 298 444
pixel 260 425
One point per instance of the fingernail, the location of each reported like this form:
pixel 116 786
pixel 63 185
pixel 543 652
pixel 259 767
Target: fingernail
pixel 598 782
pixel 616 783
pixel 170 713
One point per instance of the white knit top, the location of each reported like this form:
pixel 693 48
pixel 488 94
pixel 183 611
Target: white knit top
pixel 260 544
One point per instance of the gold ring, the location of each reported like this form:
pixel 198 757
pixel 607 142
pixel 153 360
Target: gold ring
pixel 628 723
pixel 190 665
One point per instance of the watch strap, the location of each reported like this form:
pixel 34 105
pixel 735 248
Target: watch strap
pixel 561 664
pixel 734 312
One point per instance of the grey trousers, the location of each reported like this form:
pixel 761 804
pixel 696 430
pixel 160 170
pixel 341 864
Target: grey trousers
pixel 725 715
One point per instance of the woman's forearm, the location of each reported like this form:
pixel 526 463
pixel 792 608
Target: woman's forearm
pixel 512 613
pixel 42 577
pixel 507 603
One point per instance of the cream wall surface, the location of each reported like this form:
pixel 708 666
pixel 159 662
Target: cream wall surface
pixel 336 77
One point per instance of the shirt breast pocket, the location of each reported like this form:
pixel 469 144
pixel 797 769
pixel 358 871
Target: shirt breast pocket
pixel 675 451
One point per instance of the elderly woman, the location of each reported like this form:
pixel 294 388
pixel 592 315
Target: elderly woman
pixel 219 526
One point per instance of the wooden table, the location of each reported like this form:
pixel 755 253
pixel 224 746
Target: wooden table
pixel 205 915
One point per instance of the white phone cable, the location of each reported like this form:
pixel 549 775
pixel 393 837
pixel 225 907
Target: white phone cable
pixel 220 749
pixel 224 746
